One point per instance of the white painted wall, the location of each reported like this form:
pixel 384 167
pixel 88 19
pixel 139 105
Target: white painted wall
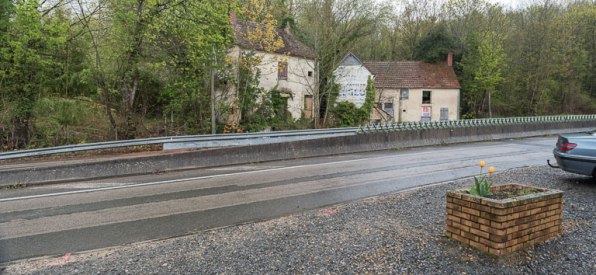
pixel 410 109
pixel 298 82
pixel 352 80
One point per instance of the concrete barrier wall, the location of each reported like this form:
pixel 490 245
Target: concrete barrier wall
pixel 281 151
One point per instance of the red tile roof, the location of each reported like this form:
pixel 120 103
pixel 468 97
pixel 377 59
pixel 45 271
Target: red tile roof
pixel 412 74
pixel 292 45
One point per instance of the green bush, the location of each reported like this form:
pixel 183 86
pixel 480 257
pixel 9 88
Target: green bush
pixel 348 115
pixel 60 121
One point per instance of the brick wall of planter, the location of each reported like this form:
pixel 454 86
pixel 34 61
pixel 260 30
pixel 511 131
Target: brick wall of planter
pixel 499 227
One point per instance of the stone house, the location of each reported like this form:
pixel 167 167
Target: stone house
pixel 291 67
pixel 405 90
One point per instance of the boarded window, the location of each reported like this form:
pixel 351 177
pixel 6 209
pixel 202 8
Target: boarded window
pixel 405 93
pixel 426 97
pixel 282 72
pixel 308 110
pixel 444 114
pixel 389 109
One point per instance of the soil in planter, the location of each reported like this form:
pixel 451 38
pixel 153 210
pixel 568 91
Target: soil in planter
pixel 512 193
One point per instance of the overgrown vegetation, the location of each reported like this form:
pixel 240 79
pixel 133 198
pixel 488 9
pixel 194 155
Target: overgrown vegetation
pixel 348 115
pixel 524 192
pixel 68 120
pixel 75 71
pixel 14 186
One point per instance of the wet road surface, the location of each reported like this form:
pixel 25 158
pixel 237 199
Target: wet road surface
pixel 79 216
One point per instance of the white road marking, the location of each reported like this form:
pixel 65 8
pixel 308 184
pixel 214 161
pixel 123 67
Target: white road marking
pixel 150 210
pixel 242 167
pixel 223 175
pixel 79 185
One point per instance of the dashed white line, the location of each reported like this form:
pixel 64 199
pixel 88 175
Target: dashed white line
pixel 221 175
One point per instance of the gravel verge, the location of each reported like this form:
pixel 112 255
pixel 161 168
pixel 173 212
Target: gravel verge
pixel 397 234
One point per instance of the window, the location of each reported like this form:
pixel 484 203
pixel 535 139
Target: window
pixel 425 97
pixel 405 93
pixel 310 73
pixel 282 72
pixel 388 106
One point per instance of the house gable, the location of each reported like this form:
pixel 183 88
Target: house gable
pixel 352 76
pixel 351 60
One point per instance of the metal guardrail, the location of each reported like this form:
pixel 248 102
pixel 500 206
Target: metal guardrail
pixel 173 139
pixel 374 128
pixel 293 135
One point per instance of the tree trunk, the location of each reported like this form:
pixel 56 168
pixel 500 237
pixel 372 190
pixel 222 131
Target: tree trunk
pixel 111 121
pixel 213 94
pixel 129 107
pixel 317 107
pixel 399 112
pixel 21 132
pixel 128 90
pixel 490 112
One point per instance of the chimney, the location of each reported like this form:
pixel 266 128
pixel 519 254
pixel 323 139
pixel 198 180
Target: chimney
pixel 232 17
pixel 450 59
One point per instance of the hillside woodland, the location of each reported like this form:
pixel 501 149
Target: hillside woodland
pixel 75 71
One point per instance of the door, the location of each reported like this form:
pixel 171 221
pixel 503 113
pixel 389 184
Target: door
pixel 308 106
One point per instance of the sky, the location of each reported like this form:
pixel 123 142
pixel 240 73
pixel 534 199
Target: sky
pixel 507 3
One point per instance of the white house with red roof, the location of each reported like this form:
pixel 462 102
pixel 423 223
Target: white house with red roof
pixel 405 90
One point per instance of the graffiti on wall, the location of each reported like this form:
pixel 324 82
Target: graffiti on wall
pixel 352 80
pixel 352 76
pixel 353 92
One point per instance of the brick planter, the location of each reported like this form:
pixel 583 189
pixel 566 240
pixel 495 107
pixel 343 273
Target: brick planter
pixel 499 227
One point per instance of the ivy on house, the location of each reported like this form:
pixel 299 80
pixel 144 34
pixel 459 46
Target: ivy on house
pixel 259 108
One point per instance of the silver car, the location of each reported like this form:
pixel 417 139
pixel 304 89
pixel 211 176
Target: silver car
pixel 576 153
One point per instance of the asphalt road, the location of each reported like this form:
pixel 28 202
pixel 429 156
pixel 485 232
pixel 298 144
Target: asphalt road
pixel 73 217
